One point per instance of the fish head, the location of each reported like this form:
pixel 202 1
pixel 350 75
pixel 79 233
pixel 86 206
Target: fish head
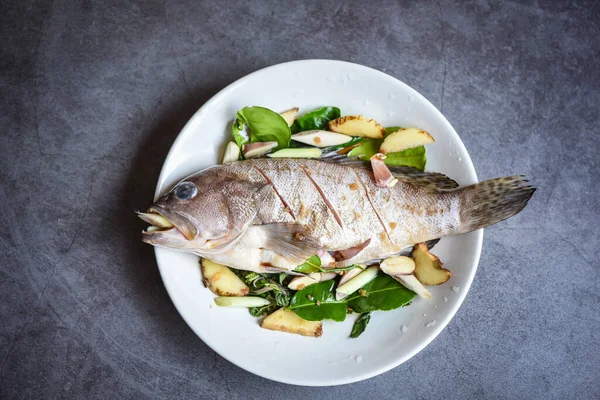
pixel 203 213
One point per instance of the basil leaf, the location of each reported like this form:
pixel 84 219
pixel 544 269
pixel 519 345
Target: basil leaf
pixel 382 293
pixel 414 157
pixel 313 264
pixel 317 302
pixel 360 325
pixel 240 135
pixel 265 126
pixel 366 149
pixel 316 119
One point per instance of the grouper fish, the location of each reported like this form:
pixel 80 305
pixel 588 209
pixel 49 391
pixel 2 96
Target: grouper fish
pixel 270 215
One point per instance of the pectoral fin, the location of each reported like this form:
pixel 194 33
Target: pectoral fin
pixel 289 240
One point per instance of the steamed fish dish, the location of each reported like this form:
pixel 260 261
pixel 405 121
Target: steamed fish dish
pixel 323 209
pixel 270 215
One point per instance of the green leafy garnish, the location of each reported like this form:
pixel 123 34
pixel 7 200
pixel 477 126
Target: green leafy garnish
pixel 263 286
pixel 316 119
pixel 366 149
pixel 264 125
pixel 317 302
pixel 360 325
pixel 414 157
pixel 313 264
pixel 239 134
pixel 382 293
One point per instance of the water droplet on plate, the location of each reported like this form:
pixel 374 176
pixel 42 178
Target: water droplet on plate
pixel 358 359
pixel 404 328
pixel 459 158
pixel 392 96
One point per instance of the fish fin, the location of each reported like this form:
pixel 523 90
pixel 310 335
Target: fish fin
pixel 346 254
pixel 430 180
pixel 289 240
pixel 404 173
pixel 343 159
pixel 492 201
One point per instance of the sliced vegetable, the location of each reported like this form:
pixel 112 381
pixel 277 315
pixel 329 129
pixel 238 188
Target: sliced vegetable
pixel 264 125
pixel 345 278
pixel 317 302
pixel 412 283
pixel 359 281
pixel 316 119
pixel 232 153
pixel 429 269
pixel 360 325
pixel 290 115
pixel 221 280
pixel 382 293
pixel 399 265
pixel 241 302
pixel 405 138
pixel 357 126
pixel 155 219
pixel 382 174
pixel 321 138
pixel 252 150
pixel 297 153
pixel 288 321
pixel 300 282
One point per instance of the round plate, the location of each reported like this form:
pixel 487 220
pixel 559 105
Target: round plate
pixel 334 358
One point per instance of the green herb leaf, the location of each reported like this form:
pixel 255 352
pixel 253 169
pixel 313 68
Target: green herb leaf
pixel 239 134
pixel 382 293
pixel 360 325
pixel 414 157
pixel 366 149
pixel 317 302
pixel 264 125
pixel 263 286
pixel 316 119
pixel 313 264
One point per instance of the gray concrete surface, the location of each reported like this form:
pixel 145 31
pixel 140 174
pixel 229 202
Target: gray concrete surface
pixel 92 94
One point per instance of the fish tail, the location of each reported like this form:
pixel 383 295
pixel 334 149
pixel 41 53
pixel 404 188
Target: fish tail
pixel 489 202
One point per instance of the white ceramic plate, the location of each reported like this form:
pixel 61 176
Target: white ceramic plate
pixel 332 359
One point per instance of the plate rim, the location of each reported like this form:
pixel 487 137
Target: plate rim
pixel 437 329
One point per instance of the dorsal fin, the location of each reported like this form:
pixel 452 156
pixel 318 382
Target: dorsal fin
pixel 406 174
pixel 430 180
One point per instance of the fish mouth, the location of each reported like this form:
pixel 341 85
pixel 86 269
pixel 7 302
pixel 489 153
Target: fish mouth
pixel 161 222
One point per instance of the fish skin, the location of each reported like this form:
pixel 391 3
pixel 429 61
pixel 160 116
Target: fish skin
pixel 340 205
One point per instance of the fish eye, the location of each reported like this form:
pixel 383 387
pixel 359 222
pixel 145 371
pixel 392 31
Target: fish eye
pixel 185 191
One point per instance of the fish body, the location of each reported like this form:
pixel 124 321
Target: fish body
pixel 272 214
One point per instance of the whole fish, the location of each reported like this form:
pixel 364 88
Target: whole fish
pixel 269 215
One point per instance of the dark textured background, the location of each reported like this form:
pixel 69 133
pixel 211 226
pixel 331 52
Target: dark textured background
pixel 92 94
